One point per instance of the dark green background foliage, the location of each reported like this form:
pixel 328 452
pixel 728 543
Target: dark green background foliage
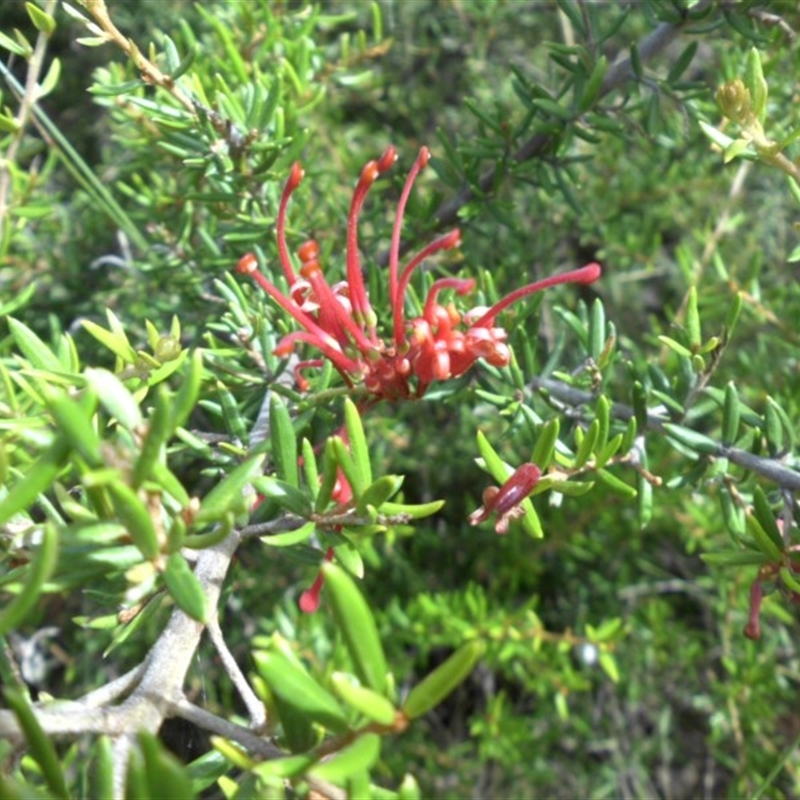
pixel 615 664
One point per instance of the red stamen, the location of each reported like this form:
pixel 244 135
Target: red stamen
pixel 446 242
pixel 358 294
pixel 394 250
pixel 333 316
pixel 585 275
pixel 346 366
pixel 461 285
pixel 295 176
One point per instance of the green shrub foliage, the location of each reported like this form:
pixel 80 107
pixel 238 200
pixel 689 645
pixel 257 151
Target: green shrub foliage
pixel 399 399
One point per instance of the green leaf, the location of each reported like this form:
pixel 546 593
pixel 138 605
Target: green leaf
pixel 284 441
pixel 349 557
pixel 228 495
pixel 762 539
pixel 33 348
pixel 738 147
pixel 730 415
pixel 443 680
pixel 361 755
pixel 41 20
pixel 185 400
pixel 17 48
pixel 155 440
pixel 603 416
pixel 115 397
pixel 135 516
pixel 19 300
pixel 609 665
pixel 310 467
pixel 614 483
pixel 495 465
pixel 734 558
pixel 676 347
pixel 287 496
pixel 357 625
pixel 101 771
pixel 591 89
pixel 586 443
pixel 289 538
pixel 691 439
pixel 546 444
pixel 357 446
pixel 682 62
pixel 378 492
pixel 766 518
pixel 115 341
pixel 41 568
pixel 754 81
pixel 597 329
pixel 74 423
pixel 777 428
pixel 720 139
pixel 51 78
pixel 298 689
pixel 693 332
pixel 40 745
pixel 166 777
pixel 348 465
pixel 36 480
pixel 411 511
pixel 330 468
pixel 366 702
pixel 185 588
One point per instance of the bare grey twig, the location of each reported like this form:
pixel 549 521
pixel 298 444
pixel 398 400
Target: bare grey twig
pixel 769 468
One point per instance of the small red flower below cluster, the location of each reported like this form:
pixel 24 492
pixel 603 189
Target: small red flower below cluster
pixel 505 502
pixel 339 322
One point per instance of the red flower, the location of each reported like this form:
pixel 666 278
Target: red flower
pixel 339 321
pixel 506 501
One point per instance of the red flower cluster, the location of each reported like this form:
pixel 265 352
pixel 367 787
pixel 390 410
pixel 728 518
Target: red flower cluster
pixel 340 323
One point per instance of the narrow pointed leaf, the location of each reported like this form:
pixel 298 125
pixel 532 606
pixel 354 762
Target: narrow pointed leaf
pixel 114 397
pixel 155 440
pixel 359 756
pixel 358 444
pixel 730 415
pixel 546 444
pixel 354 619
pixel 298 689
pixel 766 518
pixel 366 702
pixel 37 479
pixel 443 680
pixel 284 441
pixel 41 568
pixel 40 745
pixel 287 496
pixel 135 516
pixel 734 558
pixel 75 424
pixel 228 494
pixel 378 492
pixel 33 348
pixel 185 400
pixel 185 589
pixel 586 445
pixel 411 511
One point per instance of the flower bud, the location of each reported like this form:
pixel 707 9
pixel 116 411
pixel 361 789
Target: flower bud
pixel 733 99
